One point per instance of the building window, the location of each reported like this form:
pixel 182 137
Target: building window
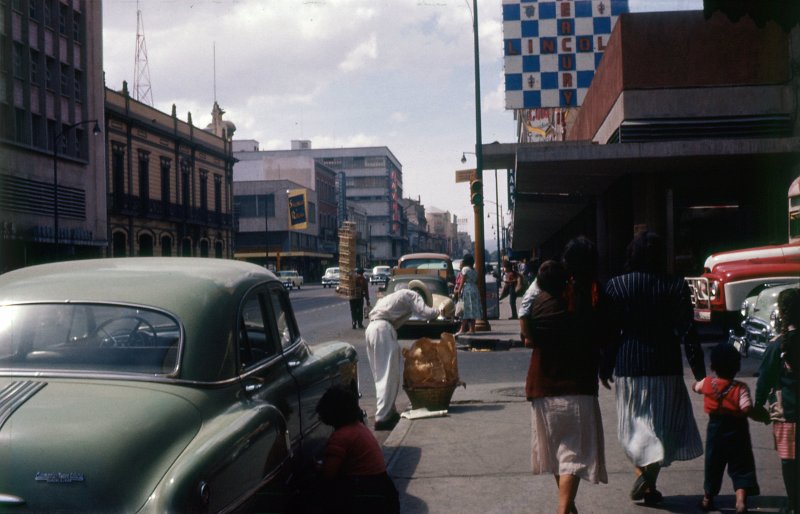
pixel 48 13
pixel 19 68
pixel 32 12
pixel 34 66
pixel 166 246
pixel 65 79
pixel 312 213
pixel 255 206
pixel 203 191
pixel 79 142
pixel 22 135
pixel 76 26
pixel 63 13
pixel 37 129
pixel 78 82
pixel 144 178
pixel 117 173
pixel 185 190
pixel 51 73
pixel 218 193
pixel 166 165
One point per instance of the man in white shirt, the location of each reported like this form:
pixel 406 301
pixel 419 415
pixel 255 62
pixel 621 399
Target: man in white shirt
pixel 383 350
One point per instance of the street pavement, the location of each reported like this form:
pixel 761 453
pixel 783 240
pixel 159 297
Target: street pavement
pixel 477 458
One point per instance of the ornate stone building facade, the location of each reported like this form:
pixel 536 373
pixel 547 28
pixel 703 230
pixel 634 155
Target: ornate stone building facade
pixel 170 184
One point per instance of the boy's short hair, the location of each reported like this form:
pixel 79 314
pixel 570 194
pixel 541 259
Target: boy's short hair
pixel 725 360
pixel 552 277
pixel 339 407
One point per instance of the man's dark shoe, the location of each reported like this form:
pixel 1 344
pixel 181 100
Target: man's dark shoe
pixel 388 423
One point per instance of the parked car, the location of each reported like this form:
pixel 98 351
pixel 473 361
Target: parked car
pixel 156 385
pixel 429 261
pixel 433 288
pixel 331 277
pixel 380 275
pixel 761 322
pixel 290 279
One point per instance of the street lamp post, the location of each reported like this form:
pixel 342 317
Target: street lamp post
pixel 481 324
pixel 56 138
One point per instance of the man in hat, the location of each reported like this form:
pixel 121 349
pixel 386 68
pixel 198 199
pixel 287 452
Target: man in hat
pixel 383 350
pixel 360 294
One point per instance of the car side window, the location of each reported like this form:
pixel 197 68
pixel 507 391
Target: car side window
pixel 284 317
pixel 255 338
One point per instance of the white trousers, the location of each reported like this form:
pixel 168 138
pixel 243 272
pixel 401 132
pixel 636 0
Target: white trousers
pixel 383 352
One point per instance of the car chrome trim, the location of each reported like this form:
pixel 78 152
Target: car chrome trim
pixel 10 499
pixel 14 395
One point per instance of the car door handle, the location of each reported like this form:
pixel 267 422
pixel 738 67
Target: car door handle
pixel 293 363
pixel 252 385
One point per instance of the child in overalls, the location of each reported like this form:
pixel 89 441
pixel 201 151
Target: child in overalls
pixel 727 403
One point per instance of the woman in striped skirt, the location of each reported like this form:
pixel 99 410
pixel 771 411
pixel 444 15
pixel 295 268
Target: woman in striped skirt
pixel 651 315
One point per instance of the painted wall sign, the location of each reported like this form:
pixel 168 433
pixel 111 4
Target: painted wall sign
pixel 552 48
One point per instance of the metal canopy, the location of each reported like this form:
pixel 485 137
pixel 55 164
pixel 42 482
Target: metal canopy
pixel 556 181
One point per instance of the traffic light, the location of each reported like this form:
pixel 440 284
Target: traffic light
pixel 476 192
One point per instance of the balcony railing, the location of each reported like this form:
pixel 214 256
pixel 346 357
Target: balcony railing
pixel 130 205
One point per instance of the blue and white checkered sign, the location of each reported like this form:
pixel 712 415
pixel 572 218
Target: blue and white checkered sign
pixel 552 49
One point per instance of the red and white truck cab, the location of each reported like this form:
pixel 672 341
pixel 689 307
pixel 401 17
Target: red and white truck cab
pixel 728 277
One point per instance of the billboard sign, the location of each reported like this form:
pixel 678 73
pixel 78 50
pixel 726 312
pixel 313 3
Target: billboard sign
pixel 298 217
pixel 552 48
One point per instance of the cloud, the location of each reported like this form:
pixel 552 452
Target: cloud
pixel 398 117
pixel 360 55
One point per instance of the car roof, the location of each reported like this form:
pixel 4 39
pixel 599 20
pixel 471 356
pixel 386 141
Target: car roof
pixel 425 255
pixel 203 293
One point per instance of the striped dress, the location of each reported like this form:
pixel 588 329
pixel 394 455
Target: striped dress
pixel 650 316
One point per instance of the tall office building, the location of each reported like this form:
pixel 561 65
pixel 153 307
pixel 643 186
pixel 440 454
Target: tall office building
pixel 52 161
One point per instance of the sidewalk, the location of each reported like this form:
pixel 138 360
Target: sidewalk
pixel 477 459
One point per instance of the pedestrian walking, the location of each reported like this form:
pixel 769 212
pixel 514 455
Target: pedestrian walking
pixel 777 386
pixel 383 350
pixel 564 329
pixel 470 296
pixel 359 295
pixel 511 281
pixel 651 314
pixel 727 403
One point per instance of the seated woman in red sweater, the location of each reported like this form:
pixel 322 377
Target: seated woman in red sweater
pixel 353 471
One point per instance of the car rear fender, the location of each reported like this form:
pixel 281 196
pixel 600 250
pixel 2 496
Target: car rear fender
pixel 233 457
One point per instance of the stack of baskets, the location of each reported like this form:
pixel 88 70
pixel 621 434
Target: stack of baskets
pixel 347 260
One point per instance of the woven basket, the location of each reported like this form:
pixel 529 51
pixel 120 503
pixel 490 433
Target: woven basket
pixel 431 398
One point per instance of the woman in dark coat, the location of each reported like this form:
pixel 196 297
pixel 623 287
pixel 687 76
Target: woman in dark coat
pixel 651 315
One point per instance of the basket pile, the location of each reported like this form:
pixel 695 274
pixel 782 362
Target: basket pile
pixel 430 374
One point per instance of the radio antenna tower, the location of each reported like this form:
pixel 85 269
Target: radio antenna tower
pixel 141 71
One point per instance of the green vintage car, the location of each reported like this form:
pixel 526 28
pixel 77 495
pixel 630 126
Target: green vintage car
pixel 155 385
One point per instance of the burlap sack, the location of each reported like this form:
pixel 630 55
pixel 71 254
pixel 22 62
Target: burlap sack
pixel 430 363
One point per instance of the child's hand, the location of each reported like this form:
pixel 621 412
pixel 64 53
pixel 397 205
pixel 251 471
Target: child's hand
pixel 760 414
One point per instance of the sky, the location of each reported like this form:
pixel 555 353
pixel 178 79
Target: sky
pixel 339 73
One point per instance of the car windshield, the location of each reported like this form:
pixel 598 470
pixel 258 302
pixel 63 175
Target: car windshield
pixel 88 337
pixel 332 271
pixel 424 264
pixel 381 269
pixel 287 273
pixel 434 286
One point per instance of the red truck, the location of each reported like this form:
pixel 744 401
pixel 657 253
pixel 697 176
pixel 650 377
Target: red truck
pixel 728 277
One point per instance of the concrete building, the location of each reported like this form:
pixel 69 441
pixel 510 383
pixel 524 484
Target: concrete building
pixel 261 181
pixel 690 128
pixel 170 184
pixel 373 181
pixel 52 166
pixel 442 230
